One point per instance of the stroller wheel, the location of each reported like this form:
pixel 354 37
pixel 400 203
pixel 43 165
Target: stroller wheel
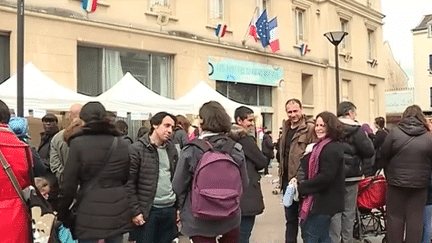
pixel 384 240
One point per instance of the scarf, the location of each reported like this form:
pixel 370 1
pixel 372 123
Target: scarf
pixel 312 173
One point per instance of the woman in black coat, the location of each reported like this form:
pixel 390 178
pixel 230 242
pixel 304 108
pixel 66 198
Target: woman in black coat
pixel 407 159
pixel 103 212
pixel 324 180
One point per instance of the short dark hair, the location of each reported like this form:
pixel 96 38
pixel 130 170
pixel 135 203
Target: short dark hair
pixel 416 111
pixel 157 119
pixel 242 112
pixel 121 125
pixel 295 101
pixel 380 121
pixel 214 118
pixel 333 125
pixel 4 113
pixel 183 122
pixel 142 130
pixel 344 108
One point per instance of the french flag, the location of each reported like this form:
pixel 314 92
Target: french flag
pixel 303 49
pixel 220 30
pixel 253 31
pixel 274 37
pixel 89 5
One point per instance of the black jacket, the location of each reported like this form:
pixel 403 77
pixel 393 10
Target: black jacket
pixel 180 137
pixel 105 210
pixel 358 148
pixel 252 202
pixel 144 173
pixel 328 187
pixel 409 165
pixel 267 146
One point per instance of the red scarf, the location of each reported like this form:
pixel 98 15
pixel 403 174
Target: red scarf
pixel 312 173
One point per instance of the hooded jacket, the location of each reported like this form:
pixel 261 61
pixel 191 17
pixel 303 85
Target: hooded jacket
pixel 408 163
pixel 252 202
pixel 357 149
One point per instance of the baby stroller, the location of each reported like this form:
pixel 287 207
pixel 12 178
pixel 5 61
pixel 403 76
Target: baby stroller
pixel 371 213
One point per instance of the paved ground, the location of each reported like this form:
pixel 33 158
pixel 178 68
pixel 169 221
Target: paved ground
pixel 270 226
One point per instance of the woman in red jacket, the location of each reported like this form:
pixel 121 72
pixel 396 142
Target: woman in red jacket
pixel 14 223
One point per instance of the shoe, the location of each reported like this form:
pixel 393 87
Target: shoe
pixel 268 175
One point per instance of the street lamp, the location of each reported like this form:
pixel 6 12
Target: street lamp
pixel 335 38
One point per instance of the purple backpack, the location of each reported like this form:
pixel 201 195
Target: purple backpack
pixel 217 185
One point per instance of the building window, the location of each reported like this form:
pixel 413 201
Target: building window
pixel 307 89
pixel 371 44
pixel 346 91
pixel 263 5
pixel 216 9
pixel 248 94
pixel 429 27
pixel 4 57
pixel 100 68
pixel 344 27
pixel 430 62
pixel 300 24
pixel 267 120
pixel 164 3
pixel 430 93
pixel 373 103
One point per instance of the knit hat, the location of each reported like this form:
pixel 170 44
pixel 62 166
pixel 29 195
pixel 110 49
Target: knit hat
pixel 92 111
pixel 19 126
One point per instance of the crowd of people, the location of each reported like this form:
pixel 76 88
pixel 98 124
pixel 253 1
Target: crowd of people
pixel 204 182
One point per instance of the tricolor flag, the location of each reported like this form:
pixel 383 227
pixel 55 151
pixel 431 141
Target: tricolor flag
pixel 274 37
pixel 303 49
pixel 253 31
pixel 220 30
pixel 89 5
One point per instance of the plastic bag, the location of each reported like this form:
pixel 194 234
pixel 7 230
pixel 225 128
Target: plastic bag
pixel 291 194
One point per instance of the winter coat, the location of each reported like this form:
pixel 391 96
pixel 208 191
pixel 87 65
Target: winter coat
pixel 268 147
pixel 58 154
pixel 144 173
pixel 303 136
pixel 252 202
pixel 105 210
pixel 358 148
pixel 328 187
pixel 180 137
pixel 14 223
pixel 44 146
pixel 409 165
pixel 182 184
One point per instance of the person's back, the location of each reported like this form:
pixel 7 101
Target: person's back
pixel 14 223
pixel 104 211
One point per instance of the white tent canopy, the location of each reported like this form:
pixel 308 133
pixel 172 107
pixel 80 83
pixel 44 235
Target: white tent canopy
pixel 203 93
pixel 40 92
pixel 129 95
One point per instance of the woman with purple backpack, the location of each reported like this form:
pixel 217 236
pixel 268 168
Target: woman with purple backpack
pixel 194 171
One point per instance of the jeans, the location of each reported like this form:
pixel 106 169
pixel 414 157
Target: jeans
pixel 114 239
pixel 292 222
pixel 427 232
pixel 246 226
pixel 316 229
pixel 342 224
pixel 160 227
pixel 229 237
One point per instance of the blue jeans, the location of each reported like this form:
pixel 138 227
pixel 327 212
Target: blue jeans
pixel 160 227
pixel 114 239
pixel 246 226
pixel 292 222
pixel 316 229
pixel 427 232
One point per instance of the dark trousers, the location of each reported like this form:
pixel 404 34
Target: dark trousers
pixel 160 227
pixel 246 226
pixel 292 222
pixel 266 169
pixel 405 207
pixel 316 229
pixel 230 237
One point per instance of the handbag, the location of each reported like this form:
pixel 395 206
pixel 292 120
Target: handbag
pixel 73 209
pixel 40 212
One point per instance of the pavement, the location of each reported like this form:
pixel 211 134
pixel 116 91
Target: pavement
pixel 270 225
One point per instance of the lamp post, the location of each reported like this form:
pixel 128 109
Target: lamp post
pixel 335 37
pixel 20 58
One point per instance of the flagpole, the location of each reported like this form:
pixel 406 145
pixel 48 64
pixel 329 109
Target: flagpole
pixel 247 31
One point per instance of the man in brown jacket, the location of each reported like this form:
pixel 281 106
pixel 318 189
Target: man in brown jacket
pixel 297 133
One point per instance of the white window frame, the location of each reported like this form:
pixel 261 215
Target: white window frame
pixel 216 10
pixel 163 3
pixel 429 28
pixel 344 26
pixel 371 44
pixel 300 27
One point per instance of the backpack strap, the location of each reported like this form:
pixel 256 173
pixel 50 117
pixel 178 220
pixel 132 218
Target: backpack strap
pixel 201 144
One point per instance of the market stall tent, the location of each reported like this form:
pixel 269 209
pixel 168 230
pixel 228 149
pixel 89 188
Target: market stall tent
pixel 40 92
pixel 203 93
pixel 129 95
